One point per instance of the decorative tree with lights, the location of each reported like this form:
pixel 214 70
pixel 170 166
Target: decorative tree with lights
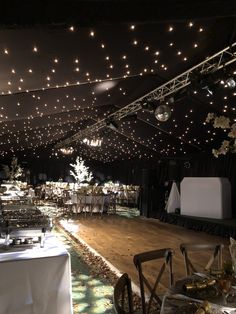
pixel 14 171
pixel 81 172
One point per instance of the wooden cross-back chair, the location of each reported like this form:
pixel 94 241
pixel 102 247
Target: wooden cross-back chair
pixel 214 252
pixel 165 255
pixel 122 295
pixel 81 202
pixel 111 203
pixel 97 204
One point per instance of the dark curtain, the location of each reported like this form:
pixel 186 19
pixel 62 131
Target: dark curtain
pixel 155 177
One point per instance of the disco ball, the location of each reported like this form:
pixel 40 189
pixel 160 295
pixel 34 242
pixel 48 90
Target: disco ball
pixel 230 82
pixel 162 113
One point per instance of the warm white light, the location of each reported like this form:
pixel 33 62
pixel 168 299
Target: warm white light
pixel 93 142
pixel 67 150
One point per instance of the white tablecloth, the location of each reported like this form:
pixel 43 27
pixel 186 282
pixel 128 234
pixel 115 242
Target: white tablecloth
pixel 36 281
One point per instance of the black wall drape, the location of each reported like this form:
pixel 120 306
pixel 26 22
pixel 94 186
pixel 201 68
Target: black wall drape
pixel 154 177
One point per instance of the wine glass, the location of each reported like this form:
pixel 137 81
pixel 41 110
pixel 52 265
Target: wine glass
pixel 225 287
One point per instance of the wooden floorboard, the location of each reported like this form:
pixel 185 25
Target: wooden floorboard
pixel 118 239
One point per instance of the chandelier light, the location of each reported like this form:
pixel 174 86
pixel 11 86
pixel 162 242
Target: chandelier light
pixel 93 142
pixel 67 150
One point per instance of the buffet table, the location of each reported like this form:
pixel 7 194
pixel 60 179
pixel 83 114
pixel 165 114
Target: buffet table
pixel 36 280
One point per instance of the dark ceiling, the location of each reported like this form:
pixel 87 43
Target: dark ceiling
pixel 61 72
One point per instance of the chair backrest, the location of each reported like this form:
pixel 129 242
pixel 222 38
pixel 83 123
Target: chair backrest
pixel 165 257
pixel 122 296
pixel 81 198
pixel 98 200
pixel 213 253
pixel 97 204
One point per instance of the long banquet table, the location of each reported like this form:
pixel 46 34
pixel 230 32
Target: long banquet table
pixel 36 281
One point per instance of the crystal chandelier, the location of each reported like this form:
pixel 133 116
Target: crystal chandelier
pixel 67 150
pixel 93 142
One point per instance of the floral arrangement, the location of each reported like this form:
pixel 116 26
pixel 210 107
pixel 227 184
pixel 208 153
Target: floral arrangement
pixel 81 172
pixel 225 123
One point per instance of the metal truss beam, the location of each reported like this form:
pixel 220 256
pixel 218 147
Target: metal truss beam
pixel 210 65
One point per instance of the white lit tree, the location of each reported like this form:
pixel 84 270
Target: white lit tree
pixel 81 172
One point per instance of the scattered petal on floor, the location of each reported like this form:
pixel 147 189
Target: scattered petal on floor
pixel 92 287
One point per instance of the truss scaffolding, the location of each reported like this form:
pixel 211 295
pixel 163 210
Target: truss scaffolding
pixel 210 65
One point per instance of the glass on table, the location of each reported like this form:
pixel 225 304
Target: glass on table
pixel 224 285
pixel 216 273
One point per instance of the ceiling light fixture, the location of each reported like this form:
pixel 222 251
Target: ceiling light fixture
pixel 93 142
pixel 67 150
pixel 149 105
pixel 113 125
pixel 209 91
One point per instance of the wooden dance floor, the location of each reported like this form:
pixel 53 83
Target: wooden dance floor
pixel 118 239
